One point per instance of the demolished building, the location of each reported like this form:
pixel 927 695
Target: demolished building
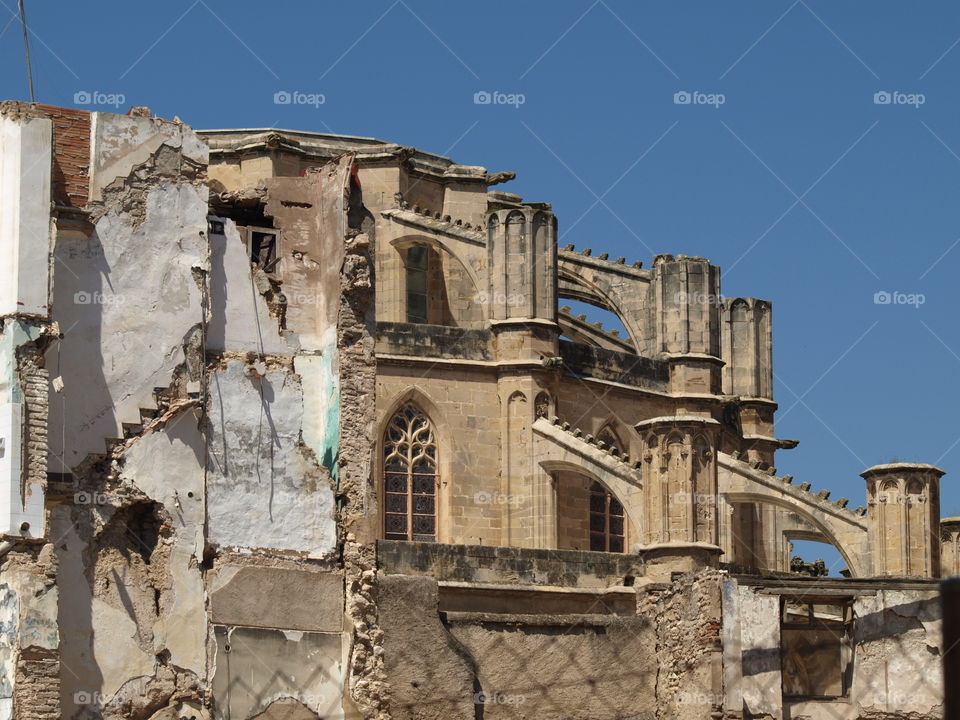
pixel 293 427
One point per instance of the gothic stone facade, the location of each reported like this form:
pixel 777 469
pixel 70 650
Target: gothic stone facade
pixel 293 427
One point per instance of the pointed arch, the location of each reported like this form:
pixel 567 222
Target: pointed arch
pixel 612 436
pixel 440 286
pixel 410 476
pixel 413 461
pixel 573 512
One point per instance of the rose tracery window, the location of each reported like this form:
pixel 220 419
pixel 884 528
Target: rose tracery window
pixel 410 477
pixel 606 521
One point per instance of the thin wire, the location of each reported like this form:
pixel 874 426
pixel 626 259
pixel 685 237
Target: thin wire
pixel 26 49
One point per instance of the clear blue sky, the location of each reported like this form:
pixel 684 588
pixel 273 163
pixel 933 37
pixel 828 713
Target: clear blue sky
pixel 859 383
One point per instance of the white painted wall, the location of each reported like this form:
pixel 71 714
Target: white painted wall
pixel 14 508
pixel 264 489
pixel 239 317
pixel 125 298
pixel 25 162
pixel 121 142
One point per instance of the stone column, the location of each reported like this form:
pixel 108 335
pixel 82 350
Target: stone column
pixel 903 501
pixel 950 547
pixel 685 302
pixel 522 288
pixel 680 517
pixel 747 350
pixel 522 296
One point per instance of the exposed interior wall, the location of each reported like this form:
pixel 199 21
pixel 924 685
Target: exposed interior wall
pixel 25 189
pixel 899 646
pixel 204 480
pixel 30 639
pixel 130 296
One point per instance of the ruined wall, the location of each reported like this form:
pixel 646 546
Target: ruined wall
pixel 894 646
pixel 898 654
pixel 129 293
pixel 204 479
pixel 29 639
pixel 456 649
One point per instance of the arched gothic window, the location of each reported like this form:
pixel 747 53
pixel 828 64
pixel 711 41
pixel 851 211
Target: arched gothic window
pixel 410 477
pixel 607 533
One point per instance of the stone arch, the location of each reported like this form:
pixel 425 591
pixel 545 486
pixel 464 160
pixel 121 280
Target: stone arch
pixel 617 487
pixel 588 292
pixel 827 533
pixel 468 300
pixel 611 436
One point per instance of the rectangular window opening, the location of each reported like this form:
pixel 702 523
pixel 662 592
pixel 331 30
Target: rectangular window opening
pixel 816 653
pixel 264 247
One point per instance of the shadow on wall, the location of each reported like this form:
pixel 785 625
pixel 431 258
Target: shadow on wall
pixel 83 411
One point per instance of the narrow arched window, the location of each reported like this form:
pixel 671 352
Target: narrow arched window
pixel 417 266
pixel 606 521
pixel 410 477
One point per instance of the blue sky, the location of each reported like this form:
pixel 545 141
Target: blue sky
pixel 801 187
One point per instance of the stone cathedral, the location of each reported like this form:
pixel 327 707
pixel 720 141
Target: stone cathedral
pixel 298 425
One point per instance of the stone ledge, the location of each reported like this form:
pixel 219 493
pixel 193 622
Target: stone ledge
pixel 498 565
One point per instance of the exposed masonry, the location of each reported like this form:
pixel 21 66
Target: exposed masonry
pixel 32 571
pixel 34 382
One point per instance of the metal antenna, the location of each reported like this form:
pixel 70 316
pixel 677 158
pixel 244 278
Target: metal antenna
pixel 26 48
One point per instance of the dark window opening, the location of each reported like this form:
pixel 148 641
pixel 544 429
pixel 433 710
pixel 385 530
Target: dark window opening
pixel 815 648
pixel 264 250
pixel 417 284
pixel 607 521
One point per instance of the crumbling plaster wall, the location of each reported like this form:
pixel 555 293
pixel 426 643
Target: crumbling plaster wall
pixel 281 647
pixel 758 618
pixel 898 663
pixel 265 489
pixel 191 456
pixel 133 606
pixel 129 297
pixel 29 635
